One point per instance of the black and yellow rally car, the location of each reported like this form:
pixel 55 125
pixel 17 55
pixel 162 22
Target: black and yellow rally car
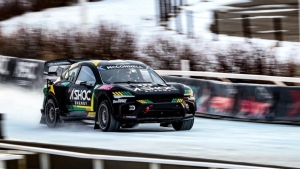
pixel 114 93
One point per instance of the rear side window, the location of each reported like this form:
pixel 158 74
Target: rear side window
pixel 85 75
pixel 71 74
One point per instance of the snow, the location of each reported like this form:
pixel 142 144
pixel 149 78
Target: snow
pixel 141 17
pixel 209 139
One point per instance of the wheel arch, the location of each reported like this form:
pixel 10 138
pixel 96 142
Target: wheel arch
pixel 99 99
pixel 51 96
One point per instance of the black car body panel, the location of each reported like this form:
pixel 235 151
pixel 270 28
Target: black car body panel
pixel 82 86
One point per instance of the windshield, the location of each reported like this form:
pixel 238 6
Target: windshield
pixel 128 73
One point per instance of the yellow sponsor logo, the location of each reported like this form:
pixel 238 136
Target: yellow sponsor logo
pixel 91 114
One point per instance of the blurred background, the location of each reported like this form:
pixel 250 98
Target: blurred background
pixel 245 37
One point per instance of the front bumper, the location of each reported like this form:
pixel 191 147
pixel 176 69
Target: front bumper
pixel 156 112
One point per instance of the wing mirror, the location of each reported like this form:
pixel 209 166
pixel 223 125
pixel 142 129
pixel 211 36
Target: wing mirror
pixel 87 83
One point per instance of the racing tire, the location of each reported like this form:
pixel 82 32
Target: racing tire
pixel 183 125
pixel 51 117
pixel 106 121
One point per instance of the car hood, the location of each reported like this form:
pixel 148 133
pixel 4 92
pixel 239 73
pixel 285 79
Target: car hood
pixel 147 90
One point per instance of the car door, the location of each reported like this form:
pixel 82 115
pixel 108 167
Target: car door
pixel 61 88
pixel 80 92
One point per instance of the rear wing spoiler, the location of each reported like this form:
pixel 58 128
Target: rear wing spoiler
pixel 60 62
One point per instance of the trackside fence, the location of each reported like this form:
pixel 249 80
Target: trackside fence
pixel 98 160
pixel 237 100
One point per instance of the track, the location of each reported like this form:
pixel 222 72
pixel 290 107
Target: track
pixel 270 144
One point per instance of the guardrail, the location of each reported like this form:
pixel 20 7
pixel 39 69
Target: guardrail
pixel 276 79
pixel 4 157
pixel 98 160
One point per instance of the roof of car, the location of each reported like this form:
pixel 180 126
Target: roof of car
pixel 113 62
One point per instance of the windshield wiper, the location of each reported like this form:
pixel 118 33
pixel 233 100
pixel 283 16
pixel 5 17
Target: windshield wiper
pixel 106 82
pixel 128 82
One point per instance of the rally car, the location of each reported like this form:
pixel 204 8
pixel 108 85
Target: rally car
pixel 114 94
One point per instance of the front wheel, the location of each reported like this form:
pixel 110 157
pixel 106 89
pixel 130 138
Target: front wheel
pixel 183 125
pixel 51 116
pixel 106 121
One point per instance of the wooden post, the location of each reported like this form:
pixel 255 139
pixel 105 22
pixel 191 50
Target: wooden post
pixel 215 28
pixel 246 27
pixel 277 29
pixel 1 126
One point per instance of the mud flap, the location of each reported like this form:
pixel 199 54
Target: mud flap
pixel 166 124
pixel 43 119
pixel 96 126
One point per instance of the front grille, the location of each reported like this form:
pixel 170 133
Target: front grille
pixel 158 114
pixel 161 110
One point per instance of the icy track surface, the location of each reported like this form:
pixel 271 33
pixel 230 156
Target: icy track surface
pixel 212 139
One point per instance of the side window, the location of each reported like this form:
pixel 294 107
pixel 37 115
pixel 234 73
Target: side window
pixel 156 78
pixel 85 74
pixel 71 74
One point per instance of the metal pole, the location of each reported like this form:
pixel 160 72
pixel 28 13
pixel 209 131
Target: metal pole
pixel 44 161
pixel 299 17
pixel 98 164
pixel 154 166
pixel 2 164
pixel 1 126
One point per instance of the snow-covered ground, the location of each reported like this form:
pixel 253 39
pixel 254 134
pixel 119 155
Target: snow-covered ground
pixel 141 17
pixel 209 139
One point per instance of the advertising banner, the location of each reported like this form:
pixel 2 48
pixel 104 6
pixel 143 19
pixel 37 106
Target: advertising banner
pixel 256 101
pixel 288 106
pixel 22 72
pixel 219 98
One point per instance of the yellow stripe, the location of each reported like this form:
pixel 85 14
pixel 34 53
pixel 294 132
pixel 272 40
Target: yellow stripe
pixel 91 114
pixel 51 89
pixel 96 62
pixel 88 108
pixel 92 106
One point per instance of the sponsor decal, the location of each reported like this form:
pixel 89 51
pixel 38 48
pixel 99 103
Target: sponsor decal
pixel 120 101
pixel 148 108
pixel 91 114
pixel 80 97
pixel 97 86
pixel 131 107
pixel 101 68
pixel 122 67
pixel 144 101
pixel 122 94
pixel 65 83
pixel 176 100
pixel 25 70
pixel 4 66
pixel 188 92
pixel 130 117
pixel 155 89
pixel 106 87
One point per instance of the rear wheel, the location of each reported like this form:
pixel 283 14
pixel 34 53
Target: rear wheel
pixel 105 118
pixel 51 116
pixel 183 125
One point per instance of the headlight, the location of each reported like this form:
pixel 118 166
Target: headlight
pixel 188 91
